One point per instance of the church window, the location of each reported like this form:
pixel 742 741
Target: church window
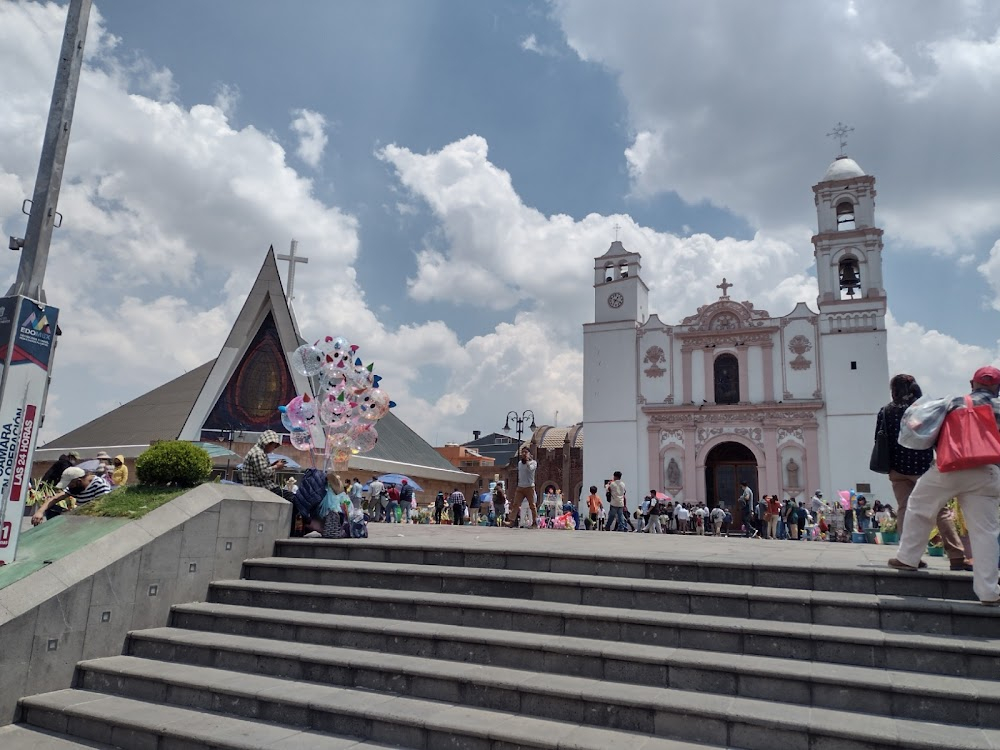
pixel 727 379
pixel 850 279
pixel 845 215
pixel 854 365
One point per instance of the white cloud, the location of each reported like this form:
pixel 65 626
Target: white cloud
pixel 750 89
pixel 311 128
pixel 530 43
pixel 941 364
pixel 168 211
pixel 504 254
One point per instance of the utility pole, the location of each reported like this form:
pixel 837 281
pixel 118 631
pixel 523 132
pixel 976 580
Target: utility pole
pixel 27 325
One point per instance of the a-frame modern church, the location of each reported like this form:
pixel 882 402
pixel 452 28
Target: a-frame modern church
pixel 232 399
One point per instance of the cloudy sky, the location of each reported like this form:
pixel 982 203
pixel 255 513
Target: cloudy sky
pixel 451 169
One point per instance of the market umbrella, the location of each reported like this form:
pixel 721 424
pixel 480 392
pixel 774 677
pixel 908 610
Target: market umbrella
pixel 215 450
pixel 398 479
pixel 663 496
pixel 89 465
pixel 290 463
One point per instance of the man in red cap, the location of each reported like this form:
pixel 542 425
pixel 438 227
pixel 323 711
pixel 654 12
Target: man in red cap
pixel 978 493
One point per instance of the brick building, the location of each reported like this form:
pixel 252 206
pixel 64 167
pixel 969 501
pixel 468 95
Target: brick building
pixel 559 452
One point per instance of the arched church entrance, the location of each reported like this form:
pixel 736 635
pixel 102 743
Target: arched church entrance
pixel 726 465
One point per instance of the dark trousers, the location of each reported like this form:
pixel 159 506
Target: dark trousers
pixel 437 514
pixel 458 514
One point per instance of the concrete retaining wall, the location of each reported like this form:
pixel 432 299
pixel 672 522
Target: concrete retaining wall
pixel 83 605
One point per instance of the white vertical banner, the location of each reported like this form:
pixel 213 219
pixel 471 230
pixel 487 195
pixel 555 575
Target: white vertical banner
pixel 27 336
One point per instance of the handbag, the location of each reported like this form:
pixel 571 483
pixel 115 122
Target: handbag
pixel 968 438
pixel 881 453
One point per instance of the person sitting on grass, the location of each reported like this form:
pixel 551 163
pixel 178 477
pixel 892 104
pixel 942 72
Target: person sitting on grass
pixel 76 484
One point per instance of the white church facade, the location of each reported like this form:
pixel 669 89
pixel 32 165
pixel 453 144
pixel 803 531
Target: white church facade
pixel 731 393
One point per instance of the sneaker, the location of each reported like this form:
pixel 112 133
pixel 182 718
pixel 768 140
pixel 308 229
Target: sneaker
pixel 961 564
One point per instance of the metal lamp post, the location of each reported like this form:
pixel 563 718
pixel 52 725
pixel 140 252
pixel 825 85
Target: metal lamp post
pixel 519 420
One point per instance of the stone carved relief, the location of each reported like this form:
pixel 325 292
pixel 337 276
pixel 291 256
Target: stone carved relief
pixel 743 315
pixel 724 338
pixel 805 415
pixel 793 434
pixel 724 322
pixel 654 358
pixel 674 475
pixel 793 473
pixel 671 436
pixel 704 434
pixel 798 346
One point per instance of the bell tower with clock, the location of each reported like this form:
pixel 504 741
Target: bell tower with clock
pixel 620 293
pixel 611 366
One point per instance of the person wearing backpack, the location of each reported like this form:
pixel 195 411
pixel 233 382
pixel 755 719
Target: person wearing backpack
pixel 438 507
pixel 406 500
pixel 967 452
pixel 906 466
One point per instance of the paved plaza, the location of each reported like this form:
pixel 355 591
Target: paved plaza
pixel 688 548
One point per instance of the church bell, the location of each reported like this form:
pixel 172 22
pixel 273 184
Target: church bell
pixel 849 278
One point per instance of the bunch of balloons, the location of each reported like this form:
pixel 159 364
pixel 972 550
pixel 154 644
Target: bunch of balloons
pixel 348 402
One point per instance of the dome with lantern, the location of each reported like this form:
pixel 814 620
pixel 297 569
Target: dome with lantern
pixel 843 168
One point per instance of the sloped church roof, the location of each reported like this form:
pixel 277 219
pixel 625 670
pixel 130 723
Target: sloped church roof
pixel 238 391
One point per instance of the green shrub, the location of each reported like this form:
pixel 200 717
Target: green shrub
pixel 173 462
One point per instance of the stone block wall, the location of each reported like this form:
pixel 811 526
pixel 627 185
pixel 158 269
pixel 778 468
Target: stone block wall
pixel 83 605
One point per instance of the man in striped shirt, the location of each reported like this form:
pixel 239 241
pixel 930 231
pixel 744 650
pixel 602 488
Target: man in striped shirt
pixel 82 486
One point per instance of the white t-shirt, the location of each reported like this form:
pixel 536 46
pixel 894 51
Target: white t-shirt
pixel 682 513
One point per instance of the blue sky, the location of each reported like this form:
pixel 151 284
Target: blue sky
pixel 452 168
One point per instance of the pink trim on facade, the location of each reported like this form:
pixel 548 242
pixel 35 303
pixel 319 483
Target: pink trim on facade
pixel 811 434
pixel 744 362
pixel 767 352
pixel 686 375
pixel 773 471
pixel 655 459
pixel 709 376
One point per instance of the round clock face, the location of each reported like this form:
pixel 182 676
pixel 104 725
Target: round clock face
pixel 616 300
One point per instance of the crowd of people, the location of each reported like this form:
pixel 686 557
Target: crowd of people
pixel 65 485
pixel 922 490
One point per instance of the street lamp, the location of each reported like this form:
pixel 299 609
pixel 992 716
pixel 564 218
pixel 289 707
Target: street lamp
pixel 519 421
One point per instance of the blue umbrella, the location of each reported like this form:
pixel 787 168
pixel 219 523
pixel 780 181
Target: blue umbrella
pixel 398 479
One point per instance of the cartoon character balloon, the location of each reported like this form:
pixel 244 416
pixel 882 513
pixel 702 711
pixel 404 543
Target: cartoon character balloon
pixel 348 400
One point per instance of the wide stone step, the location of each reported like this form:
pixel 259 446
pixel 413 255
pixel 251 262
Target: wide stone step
pixel 630 711
pixel 652 559
pixel 379 717
pixel 18 737
pixel 122 722
pixel 873 611
pixel 578 670
pixel 948 655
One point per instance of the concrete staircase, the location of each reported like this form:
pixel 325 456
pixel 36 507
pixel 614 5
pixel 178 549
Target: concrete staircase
pixel 397 643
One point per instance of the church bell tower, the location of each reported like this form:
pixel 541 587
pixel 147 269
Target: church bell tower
pixel 611 366
pixel 852 308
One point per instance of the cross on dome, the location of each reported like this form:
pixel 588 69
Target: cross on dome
pixel 724 286
pixel 840 132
